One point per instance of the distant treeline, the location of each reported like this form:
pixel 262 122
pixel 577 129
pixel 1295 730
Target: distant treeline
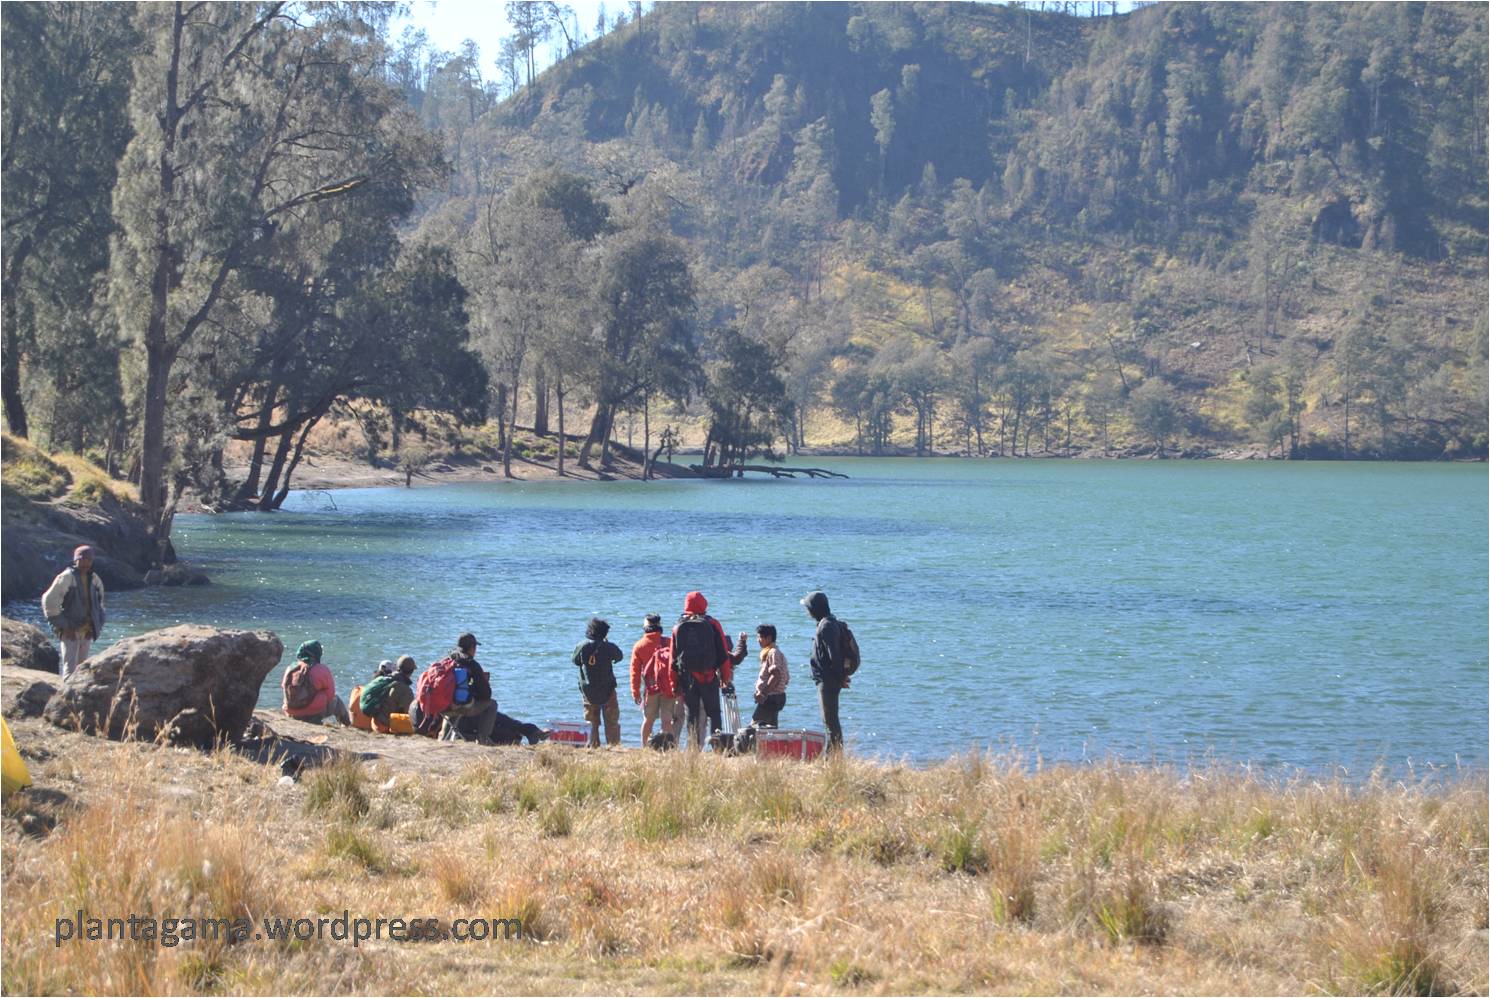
pixel 962 227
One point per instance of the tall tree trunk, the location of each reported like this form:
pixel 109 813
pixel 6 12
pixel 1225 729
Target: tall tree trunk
pixel 284 489
pixel 502 417
pixel 540 402
pixel 159 357
pixel 250 486
pixel 563 440
pixel 646 435
pixel 281 455
pixel 10 359
pixel 599 429
pixel 610 429
pixel 511 433
pixel 1347 426
pixel 153 432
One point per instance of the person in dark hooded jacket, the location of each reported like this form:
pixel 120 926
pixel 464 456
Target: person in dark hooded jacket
pixel 827 663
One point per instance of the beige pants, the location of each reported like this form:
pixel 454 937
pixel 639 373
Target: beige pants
pixel 669 709
pixel 74 650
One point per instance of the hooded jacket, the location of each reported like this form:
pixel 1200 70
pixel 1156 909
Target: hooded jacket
pixel 695 605
pixel 827 641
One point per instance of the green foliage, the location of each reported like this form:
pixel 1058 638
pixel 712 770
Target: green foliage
pixel 337 789
pixel 960 848
pixel 975 226
pixel 1132 912
pixel 347 842
pixel 1155 412
pixel 748 407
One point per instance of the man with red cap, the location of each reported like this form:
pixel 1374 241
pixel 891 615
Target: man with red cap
pixel 702 661
pixel 73 605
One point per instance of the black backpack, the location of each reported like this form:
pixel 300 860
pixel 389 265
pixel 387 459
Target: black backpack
pixel 848 647
pixel 696 646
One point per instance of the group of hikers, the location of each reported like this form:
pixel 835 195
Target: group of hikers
pixel 678 679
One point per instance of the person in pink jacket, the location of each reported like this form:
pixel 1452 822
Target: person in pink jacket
pixel 310 689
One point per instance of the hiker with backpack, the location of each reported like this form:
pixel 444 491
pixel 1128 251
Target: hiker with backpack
pixel 596 658
pixel 455 690
pixel 770 686
pixel 310 689
pixel 835 657
pixel 652 677
pixel 391 691
pixel 703 665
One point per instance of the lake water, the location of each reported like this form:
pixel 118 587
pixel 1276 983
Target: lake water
pixel 1315 616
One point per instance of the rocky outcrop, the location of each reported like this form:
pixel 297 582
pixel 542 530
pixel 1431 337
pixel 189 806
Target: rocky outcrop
pixel 40 537
pixel 175 575
pixel 25 692
pixel 23 646
pixel 192 685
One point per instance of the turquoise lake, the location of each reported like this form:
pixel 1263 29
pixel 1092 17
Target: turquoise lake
pixel 1324 617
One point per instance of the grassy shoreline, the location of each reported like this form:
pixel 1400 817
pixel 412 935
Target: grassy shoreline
pixel 679 874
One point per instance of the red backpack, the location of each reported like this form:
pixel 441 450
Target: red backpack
pixel 657 674
pixel 436 689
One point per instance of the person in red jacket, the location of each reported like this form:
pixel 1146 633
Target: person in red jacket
pixel 702 660
pixel 652 677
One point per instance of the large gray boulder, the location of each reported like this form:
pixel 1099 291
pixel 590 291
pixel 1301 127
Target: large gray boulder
pixel 191 684
pixel 23 646
pixel 24 692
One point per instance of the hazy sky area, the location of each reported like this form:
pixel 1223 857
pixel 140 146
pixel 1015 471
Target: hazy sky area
pixel 450 22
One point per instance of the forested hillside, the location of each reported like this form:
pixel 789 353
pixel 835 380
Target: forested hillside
pixel 998 230
pixel 889 228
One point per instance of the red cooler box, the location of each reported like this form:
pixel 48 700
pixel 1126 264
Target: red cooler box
pixel 791 743
pixel 569 732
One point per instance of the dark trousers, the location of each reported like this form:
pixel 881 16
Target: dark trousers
pixel 702 698
pixel 769 709
pixel 472 722
pixel 827 695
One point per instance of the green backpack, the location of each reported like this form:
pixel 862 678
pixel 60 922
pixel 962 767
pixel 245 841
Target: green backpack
pixel 375 694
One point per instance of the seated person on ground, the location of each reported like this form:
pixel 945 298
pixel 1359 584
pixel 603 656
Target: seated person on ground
pixel 310 689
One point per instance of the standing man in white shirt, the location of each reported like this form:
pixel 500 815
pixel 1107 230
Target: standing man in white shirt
pixel 73 605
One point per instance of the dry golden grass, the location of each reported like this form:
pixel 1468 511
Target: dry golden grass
pixel 34 474
pixel 634 872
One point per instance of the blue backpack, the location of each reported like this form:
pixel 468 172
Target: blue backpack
pixel 462 692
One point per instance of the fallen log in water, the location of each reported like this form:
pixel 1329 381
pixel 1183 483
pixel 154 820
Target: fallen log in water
pixel 776 471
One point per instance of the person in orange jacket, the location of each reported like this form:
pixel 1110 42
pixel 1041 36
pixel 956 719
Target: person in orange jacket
pixel 652 676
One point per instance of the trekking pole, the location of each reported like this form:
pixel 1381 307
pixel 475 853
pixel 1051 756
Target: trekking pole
pixel 732 711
